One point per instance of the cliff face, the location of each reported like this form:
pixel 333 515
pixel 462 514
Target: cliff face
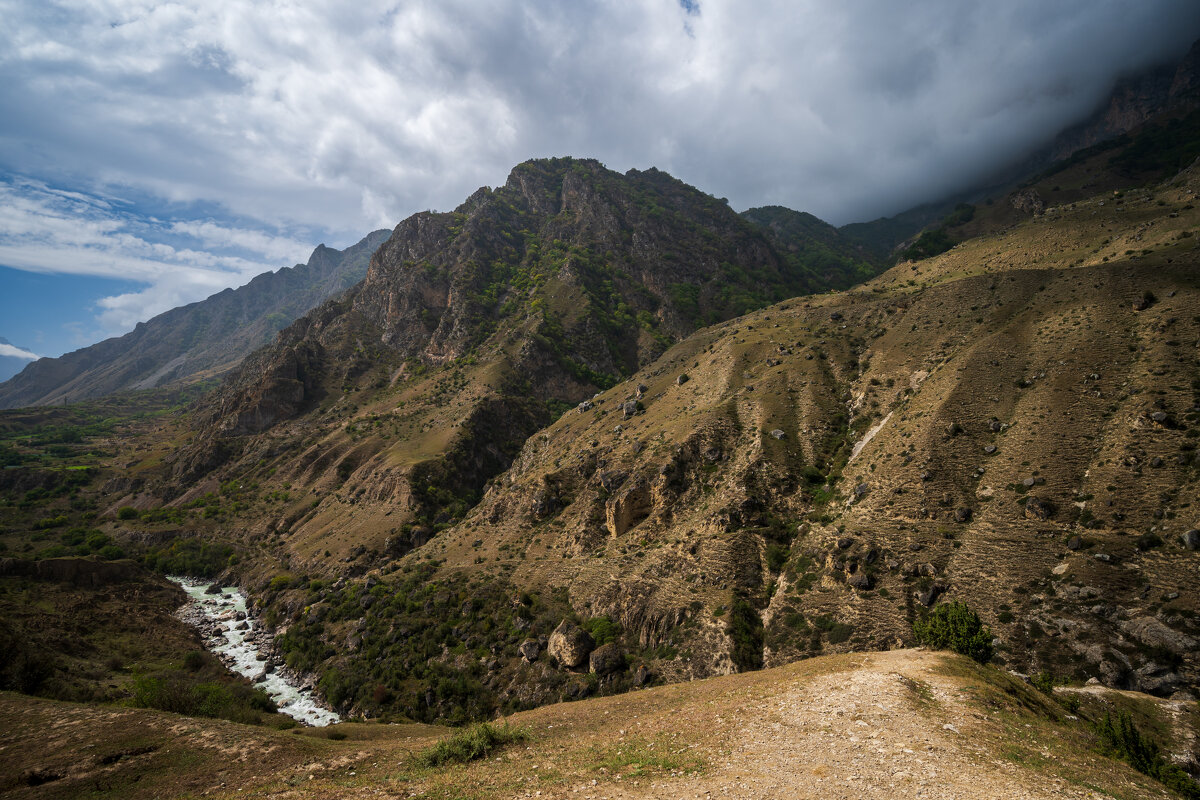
pixel 199 340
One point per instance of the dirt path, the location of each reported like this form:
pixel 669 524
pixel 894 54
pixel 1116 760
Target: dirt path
pixel 852 735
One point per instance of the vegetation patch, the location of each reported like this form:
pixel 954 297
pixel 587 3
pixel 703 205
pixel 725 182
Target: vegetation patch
pixel 953 626
pixel 473 743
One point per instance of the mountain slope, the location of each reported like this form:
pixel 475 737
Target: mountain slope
pixel 1011 423
pixel 471 330
pixel 198 340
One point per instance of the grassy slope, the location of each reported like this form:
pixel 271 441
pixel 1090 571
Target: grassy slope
pixel 867 725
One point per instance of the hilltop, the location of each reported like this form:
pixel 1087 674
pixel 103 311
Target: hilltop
pixel 868 725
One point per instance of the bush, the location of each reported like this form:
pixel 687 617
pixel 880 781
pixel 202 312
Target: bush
pixel 127 512
pixel 176 693
pixel 1122 739
pixel 477 741
pixel 746 631
pixel 953 626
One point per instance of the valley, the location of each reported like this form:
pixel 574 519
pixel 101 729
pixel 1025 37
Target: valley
pixel 593 453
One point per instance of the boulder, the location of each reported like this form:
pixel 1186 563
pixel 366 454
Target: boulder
pixel 570 644
pixel 928 597
pixel 606 658
pixel 1039 508
pixel 1191 539
pixel 778 434
pixel 641 676
pixel 1153 633
pixel 963 514
pixel 529 650
pixel 860 581
pixel 1075 543
pixel 681 380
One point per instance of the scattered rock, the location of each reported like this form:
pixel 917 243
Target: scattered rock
pixel 530 650
pixel 861 581
pixel 845 543
pixel 990 449
pixel 1075 543
pixel 629 408
pixel 963 514
pixel 928 597
pixel 606 658
pixel 681 380
pixel 778 434
pixel 641 390
pixel 586 405
pixel 1160 417
pixel 641 676
pixel 1191 539
pixel 1039 508
pixel 570 644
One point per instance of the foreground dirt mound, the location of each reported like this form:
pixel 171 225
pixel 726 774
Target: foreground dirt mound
pixel 890 724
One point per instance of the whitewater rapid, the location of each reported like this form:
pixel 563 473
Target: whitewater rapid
pixel 232 634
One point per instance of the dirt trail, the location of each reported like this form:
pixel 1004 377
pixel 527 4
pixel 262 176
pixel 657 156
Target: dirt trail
pixel 854 735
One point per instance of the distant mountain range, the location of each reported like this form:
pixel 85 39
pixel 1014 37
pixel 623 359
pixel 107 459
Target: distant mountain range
pixel 202 339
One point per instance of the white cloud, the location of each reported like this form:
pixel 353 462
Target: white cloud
pixel 51 231
pixel 256 125
pixel 16 352
pixel 347 116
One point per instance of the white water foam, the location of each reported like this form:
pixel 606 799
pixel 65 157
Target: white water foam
pixel 237 649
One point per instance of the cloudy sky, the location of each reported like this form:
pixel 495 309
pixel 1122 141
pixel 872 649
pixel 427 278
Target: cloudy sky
pixel 152 153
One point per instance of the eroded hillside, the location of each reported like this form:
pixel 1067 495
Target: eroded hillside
pixel 1011 424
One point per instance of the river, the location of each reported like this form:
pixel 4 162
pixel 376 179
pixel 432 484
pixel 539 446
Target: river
pixel 217 616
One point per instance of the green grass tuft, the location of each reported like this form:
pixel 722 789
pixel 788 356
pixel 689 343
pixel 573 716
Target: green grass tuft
pixel 471 744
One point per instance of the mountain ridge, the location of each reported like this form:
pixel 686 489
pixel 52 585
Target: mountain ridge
pixel 201 339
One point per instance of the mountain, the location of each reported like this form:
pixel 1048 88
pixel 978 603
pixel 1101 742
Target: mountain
pixel 835 261
pixel 10 361
pixel 191 342
pixel 1009 423
pixel 582 434
pixel 471 330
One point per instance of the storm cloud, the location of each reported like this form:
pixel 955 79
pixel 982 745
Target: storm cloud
pixel 294 121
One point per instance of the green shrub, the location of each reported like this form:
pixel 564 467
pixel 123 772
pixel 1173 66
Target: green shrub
pixel 746 631
pixel 602 629
pixel 181 694
pixel 127 512
pixel 1122 739
pixel 475 742
pixel 953 626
